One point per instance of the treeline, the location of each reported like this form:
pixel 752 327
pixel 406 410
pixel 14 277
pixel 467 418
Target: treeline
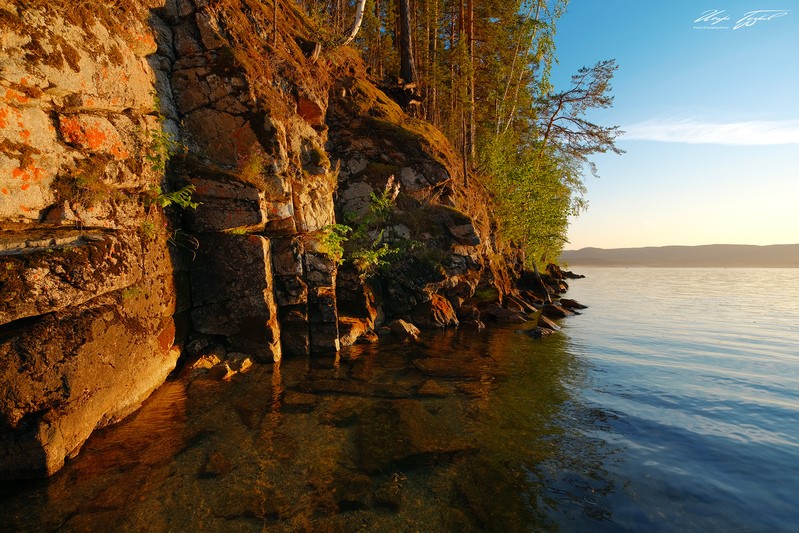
pixel 481 73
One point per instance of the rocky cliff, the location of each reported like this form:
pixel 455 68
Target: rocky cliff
pixel 171 177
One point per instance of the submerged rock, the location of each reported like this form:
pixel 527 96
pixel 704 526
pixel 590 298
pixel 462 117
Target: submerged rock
pixel 401 433
pixel 440 367
pixel 404 330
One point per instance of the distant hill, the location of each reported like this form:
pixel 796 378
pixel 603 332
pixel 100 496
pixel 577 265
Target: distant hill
pixel 711 255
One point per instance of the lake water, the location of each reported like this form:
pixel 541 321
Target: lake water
pixel 670 404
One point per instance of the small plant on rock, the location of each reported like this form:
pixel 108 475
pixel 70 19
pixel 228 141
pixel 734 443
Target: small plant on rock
pixel 182 197
pixel 332 239
pixel 366 247
pixel 163 144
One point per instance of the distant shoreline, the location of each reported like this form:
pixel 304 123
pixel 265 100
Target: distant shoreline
pixel 705 256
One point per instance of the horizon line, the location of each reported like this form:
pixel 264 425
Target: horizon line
pixel 676 245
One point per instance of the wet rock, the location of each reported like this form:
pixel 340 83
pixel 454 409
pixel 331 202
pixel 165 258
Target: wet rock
pixel 540 332
pixel 352 329
pixel 545 322
pixel 353 489
pixel 55 381
pixel 370 337
pixel 472 323
pixel 555 311
pixel 390 493
pixel 299 401
pixel 220 372
pixel 232 293
pixel 501 314
pixel 440 367
pixel 537 332
pixel 404 330
pixel 202 365
pixel 401 433
pixel 356 388
pixel 473 389
pixel 216 465
pixel 434 314
pixel 502 508
pixel 239 362
pixel 558 273
pixel 532 298
pixel 433 388
pixel 342 411
pixel 456 520
pixel 568 303
pixel 523 305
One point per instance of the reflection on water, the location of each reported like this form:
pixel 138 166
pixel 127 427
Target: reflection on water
pixel 471 432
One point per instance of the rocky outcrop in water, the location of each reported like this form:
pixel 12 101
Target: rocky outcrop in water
pixel 111 117
pixel 88 296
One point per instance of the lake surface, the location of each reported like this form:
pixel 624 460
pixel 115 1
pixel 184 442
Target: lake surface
pixel 670 404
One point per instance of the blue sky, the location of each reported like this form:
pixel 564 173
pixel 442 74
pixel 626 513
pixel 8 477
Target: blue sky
pixel 711 115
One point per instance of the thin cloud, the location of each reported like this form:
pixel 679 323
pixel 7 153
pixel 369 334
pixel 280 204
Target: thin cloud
pixel 756 132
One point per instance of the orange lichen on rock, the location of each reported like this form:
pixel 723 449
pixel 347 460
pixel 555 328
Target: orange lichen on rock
pixel 15 96
pixel 29 173
pixel 118 151
pixel 91 133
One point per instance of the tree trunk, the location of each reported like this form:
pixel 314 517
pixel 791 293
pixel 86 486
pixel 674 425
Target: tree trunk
pixel 407 67
pixel 358 20
pixel 433 52
pixel 541 282
pixel 472 128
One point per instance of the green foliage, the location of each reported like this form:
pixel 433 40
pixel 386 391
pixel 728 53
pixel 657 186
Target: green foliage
pixel 360 241
pixel 86 184
pixel 369 259
pixel 252 167
pixel 181 197
pixel 484 81
pixel 148 229
pixel 163 145
pixel 332 239
pixel 530 200
pixel 131 292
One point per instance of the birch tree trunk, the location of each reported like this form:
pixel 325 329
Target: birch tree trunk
pixel 358 20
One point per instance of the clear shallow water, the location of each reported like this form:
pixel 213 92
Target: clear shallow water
pixel 671 404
